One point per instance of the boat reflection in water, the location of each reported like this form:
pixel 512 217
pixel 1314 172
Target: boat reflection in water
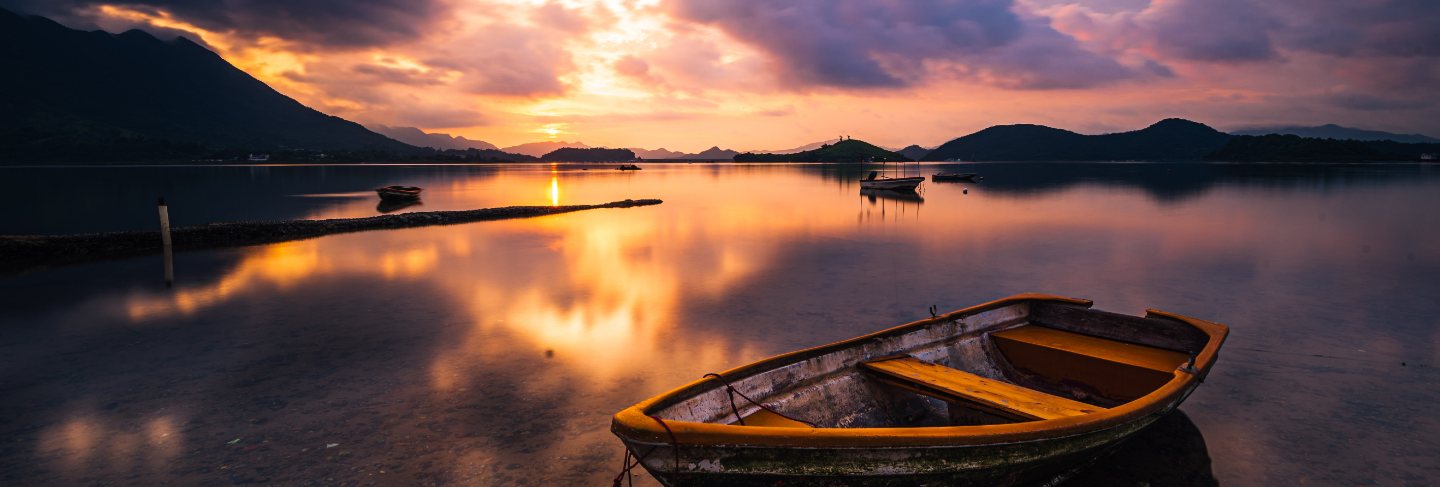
pixel 892 194
pixel 889 205
pixel 1171 452
pixel 390 205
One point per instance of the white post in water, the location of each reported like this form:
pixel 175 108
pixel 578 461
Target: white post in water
pixel 165 239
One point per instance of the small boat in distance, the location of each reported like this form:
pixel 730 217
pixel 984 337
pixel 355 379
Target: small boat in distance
pixel 875 181
pixel 259 157
pixel 398 192
pixel 952 176
pixel 629 167
pixel 1023 390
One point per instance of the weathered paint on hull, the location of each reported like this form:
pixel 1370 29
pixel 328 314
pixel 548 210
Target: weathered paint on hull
pixel 1013 464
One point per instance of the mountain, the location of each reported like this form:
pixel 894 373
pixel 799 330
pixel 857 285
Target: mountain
pixel 848 150
pixel 661 153
pixel 589 154
pixel 914 152
pixel 716 153
pixel 1170 139
pixel 95 96
pixel 537 149
pixel 1332 131
pixel 803 148
pixel 711 154
pixel 419 138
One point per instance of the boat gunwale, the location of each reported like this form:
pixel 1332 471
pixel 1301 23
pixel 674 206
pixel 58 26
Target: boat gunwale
pixel 635 423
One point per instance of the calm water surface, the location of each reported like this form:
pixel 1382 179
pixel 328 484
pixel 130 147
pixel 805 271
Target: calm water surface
pixel 495 352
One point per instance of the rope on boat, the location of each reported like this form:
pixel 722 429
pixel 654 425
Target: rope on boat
pixel 627 467
pixel 674 442
pixel 731 391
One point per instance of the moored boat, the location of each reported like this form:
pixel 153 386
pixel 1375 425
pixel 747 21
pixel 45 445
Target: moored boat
pixel 953 176
pixel 398 192
pixel 1017 391
pixel 629 167
pixel 874 181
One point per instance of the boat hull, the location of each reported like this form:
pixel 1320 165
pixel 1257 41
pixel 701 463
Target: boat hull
pixel 692 435
pixel 398 193
pixel 1008 464
pixel 892 183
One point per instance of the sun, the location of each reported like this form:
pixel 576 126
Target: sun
pixel 552 130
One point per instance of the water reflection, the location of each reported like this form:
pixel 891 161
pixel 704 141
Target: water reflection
pixel 1171 452
pixel 495 352
pixel 86 442
pixel 394 205
pixel 892 194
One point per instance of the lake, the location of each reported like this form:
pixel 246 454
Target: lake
pixel 496 352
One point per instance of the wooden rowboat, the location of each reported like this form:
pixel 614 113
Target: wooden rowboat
pixel 1017 391
pixel 398 192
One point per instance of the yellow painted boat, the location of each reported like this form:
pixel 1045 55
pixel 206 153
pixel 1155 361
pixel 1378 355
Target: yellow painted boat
pixel 1018 391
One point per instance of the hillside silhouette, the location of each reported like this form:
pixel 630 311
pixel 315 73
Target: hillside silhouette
pixel 1167 140
pixel 76 95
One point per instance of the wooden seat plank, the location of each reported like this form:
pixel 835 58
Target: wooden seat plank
pixel 1157 359
pixel 951 384
pixel 763 417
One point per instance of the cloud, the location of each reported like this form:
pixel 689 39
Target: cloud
pixel 896 43
pixel 1241 31
pixel 328 23
pixel 1216 31
pixel 556 16
pixel 1210 30
pixel 1047 59
pixel 507 60
pixel 1370 103
pixel 389 74
pixel 1391 28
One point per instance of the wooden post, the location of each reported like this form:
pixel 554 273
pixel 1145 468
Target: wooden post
pixel 169 267
pixel 165 240
pixel 164 223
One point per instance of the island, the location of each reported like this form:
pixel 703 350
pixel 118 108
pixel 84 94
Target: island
pixel 848 150
pixel 589 154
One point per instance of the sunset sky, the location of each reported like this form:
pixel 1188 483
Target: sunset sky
pixel 743 74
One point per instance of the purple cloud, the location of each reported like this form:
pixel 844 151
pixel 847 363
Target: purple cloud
pixel 891 43
pixel 330 23
pixel 1212 30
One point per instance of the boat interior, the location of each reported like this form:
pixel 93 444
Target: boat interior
pixel 1027 361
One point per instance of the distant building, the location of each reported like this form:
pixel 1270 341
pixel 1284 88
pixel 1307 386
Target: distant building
pixel 259 157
